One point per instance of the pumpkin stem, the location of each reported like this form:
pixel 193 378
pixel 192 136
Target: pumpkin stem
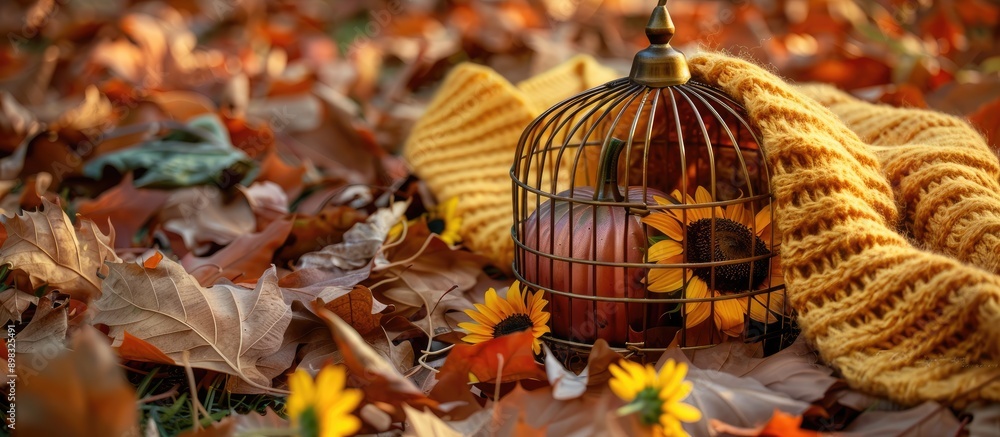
pixel 607 172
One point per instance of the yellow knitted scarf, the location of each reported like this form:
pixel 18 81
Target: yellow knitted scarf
pixel 890 217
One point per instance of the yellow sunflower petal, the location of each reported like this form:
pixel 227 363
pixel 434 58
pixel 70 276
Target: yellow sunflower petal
pixel 663 200
pixel 303 393
pixel 516 300
pixel 685 413
pixel 671 427
pixel 735 212
pixel 474 328
pixel 666 223
pixel 345 402
pixel 476 338
pixel 767 307
pixel 339 425
pixel 762 221
pixel 696 312
pixel 680 390
pixel 702 196
pixel 729 315
pixel 491 314
pixel 329 383
pixel 480 318
pixel 664 280
pixel 664 249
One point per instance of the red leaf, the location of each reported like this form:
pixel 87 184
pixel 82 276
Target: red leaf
pixel 153 261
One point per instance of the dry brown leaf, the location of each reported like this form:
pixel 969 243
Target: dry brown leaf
pixel 127 207
pixel 426 424
pixel 267 200
pixel 46 246
pixel 202 215
pixel 384 381
pixel 44 337
pixel 361 243
pixel 13 302
pixel 16 123
pixel 795 370
pixel 314 232
pixel 927 419
pixel 743 401
pixel 246 258
pixel 78 393
pixel 226 328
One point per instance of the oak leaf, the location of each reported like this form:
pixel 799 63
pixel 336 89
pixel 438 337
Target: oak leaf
pixel 46 246
pixel 226 328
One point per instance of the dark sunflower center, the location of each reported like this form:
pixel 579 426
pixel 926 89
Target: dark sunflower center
pixel 652 405
pixel 512 324
pixel 436 226
pixel 309 423
pixel 733 241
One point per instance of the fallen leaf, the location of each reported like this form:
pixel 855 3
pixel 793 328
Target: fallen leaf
pixel 226 328
pixel 276 170
pixel 746 401
pixel 203 215
pixel 358 308
pixel 481 363
pixel 383 381
pixel 13 302
pixel 128 207
pixel 246 257
pixel 78 393
pixel 314 232
pixel 795 371
pixel 927 419
pixel 195 154
pixel 781 425
pixel 267 200
pixel 16 123
pixel 426 424
pixel 44 336
pixel 46 246
pixel 985 419
pixel 531 411
pixel 361 243
pixel 565 384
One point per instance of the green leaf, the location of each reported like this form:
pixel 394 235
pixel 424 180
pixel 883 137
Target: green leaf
pixel 194 154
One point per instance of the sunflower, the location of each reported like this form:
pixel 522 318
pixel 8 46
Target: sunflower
pixel 441 220
pixel 322 408
pixel 739 234
pixel 499 317
pixel 655 396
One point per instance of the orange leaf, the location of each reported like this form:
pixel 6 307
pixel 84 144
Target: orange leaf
pixel 483 359
pixel 135 348
pixel 781 424
pixel 153 261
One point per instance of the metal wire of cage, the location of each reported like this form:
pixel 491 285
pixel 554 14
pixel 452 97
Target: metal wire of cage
pixel 591 179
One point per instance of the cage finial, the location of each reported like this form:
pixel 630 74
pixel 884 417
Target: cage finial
pixel 660 65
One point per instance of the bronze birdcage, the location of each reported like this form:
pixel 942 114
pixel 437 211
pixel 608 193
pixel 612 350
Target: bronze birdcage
pixel 685 253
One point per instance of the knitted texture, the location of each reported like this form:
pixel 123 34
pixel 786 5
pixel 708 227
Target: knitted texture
pixel 944 175
pixel 464 144
pixel 897 321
